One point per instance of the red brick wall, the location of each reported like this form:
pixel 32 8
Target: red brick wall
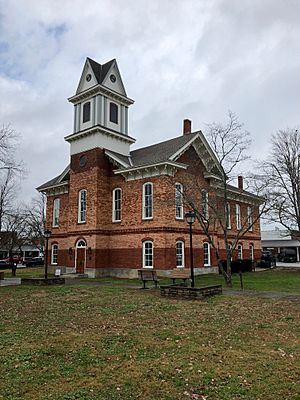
pixel 119 245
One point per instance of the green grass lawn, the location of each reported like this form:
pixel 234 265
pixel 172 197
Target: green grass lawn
pixel 106 343
pixel 274 280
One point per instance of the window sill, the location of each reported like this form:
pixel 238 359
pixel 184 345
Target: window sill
pixel 81 222
pixel 147 218
pixel 117 221
pixel 179 218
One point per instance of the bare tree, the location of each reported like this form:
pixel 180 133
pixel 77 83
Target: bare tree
pixel 35 218
pixel 279 179
pixel 7 193
pixel 211 204
pixel 9 140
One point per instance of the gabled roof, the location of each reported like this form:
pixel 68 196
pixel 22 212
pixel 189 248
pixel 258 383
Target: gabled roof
pixel 100 70
pixel 59 179
pixel 160 152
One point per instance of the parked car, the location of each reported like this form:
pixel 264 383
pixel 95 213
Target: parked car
pixel 4 264
pixel 287 255
pixel 35 261
pixel 267 260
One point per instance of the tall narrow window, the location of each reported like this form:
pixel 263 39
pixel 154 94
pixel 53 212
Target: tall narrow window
pixel 147 201
pixel 250 218
pixel 227 216
pixel 251 251
pixel 179 201
pixel 86 114
pixel 82 206
pixel 113 113
pixel 148 254
pixel 56 206
pixel 206 254
pixel 240 252
pixel 179 254
pixel 117 193
pixel 54 252
pixel 204 204
pixel 238 216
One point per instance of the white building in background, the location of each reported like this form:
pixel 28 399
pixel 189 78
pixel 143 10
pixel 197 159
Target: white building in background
pixel 279 241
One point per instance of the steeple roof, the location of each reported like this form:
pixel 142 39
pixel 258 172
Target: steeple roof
pixel 100 70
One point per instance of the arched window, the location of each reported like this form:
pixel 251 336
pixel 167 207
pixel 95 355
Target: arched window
pixel 86 114
pixel 148 254
pixel 54 253
pixel 81 243
pixel 147 200
pixel 56 206
pixel 250 218
pixel 238 216
pixel 113 113
pixel 82 206
pixel 251 252
pixel 227 216
pixel 240 252
pixel 206 254
pixel 204 204
pixel 179 254
pixel 178 201
pixel 117 203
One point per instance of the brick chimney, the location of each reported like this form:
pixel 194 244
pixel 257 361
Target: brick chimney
pixel 240 183
pixel 187 126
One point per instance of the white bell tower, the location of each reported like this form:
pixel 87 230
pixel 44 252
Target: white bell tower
pixel 100 110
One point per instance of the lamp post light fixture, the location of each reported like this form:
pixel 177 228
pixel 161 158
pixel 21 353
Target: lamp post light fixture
pixel 47 234
pixel 190 219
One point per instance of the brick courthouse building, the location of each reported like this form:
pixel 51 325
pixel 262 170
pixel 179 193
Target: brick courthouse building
pixel 113 210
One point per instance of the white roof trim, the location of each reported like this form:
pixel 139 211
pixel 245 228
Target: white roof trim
pixel 99 128
pixel 117 159
pixel 182 149
pixel 132 169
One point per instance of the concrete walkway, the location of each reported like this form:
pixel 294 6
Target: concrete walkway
pixel 264 295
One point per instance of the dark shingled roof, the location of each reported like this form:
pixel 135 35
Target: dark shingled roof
pixel 100 71
pixel 160 152
pixel 56 180
pixel 156 153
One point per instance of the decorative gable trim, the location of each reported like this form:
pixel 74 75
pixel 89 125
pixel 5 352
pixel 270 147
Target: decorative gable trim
pixel 59 188
pixel 203 150
pixel 112 67
pixel 116 160
pixel 148 171
pixel 100 89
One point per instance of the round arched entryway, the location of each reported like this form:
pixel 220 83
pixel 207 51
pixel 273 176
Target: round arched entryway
pixel 80 256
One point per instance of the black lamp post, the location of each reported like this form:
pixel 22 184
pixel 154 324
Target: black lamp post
pixel 190 219
pixel 47 234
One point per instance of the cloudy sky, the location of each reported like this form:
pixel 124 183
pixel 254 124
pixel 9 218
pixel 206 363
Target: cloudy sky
pixel 178 58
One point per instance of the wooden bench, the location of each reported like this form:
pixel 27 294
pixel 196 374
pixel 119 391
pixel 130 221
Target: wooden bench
pixel 147 275
pixel 180 273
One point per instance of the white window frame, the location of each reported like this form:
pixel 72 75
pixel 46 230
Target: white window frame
pixel 82 206
pixel 240 252
pixel 178 201
pixel 227 216
pixel 206 264
pixel 55 217
pixel 251 251
pixel 115 201
pixel 204 204
pixel 238 216
pixel 145 216
pixel 180 254
pixel 147 253
pixel 90 111
pixel 250 218
pixel 54 254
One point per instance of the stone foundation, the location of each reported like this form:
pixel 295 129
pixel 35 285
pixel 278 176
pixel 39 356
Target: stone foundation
pixel 183 292
pixel 42 281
